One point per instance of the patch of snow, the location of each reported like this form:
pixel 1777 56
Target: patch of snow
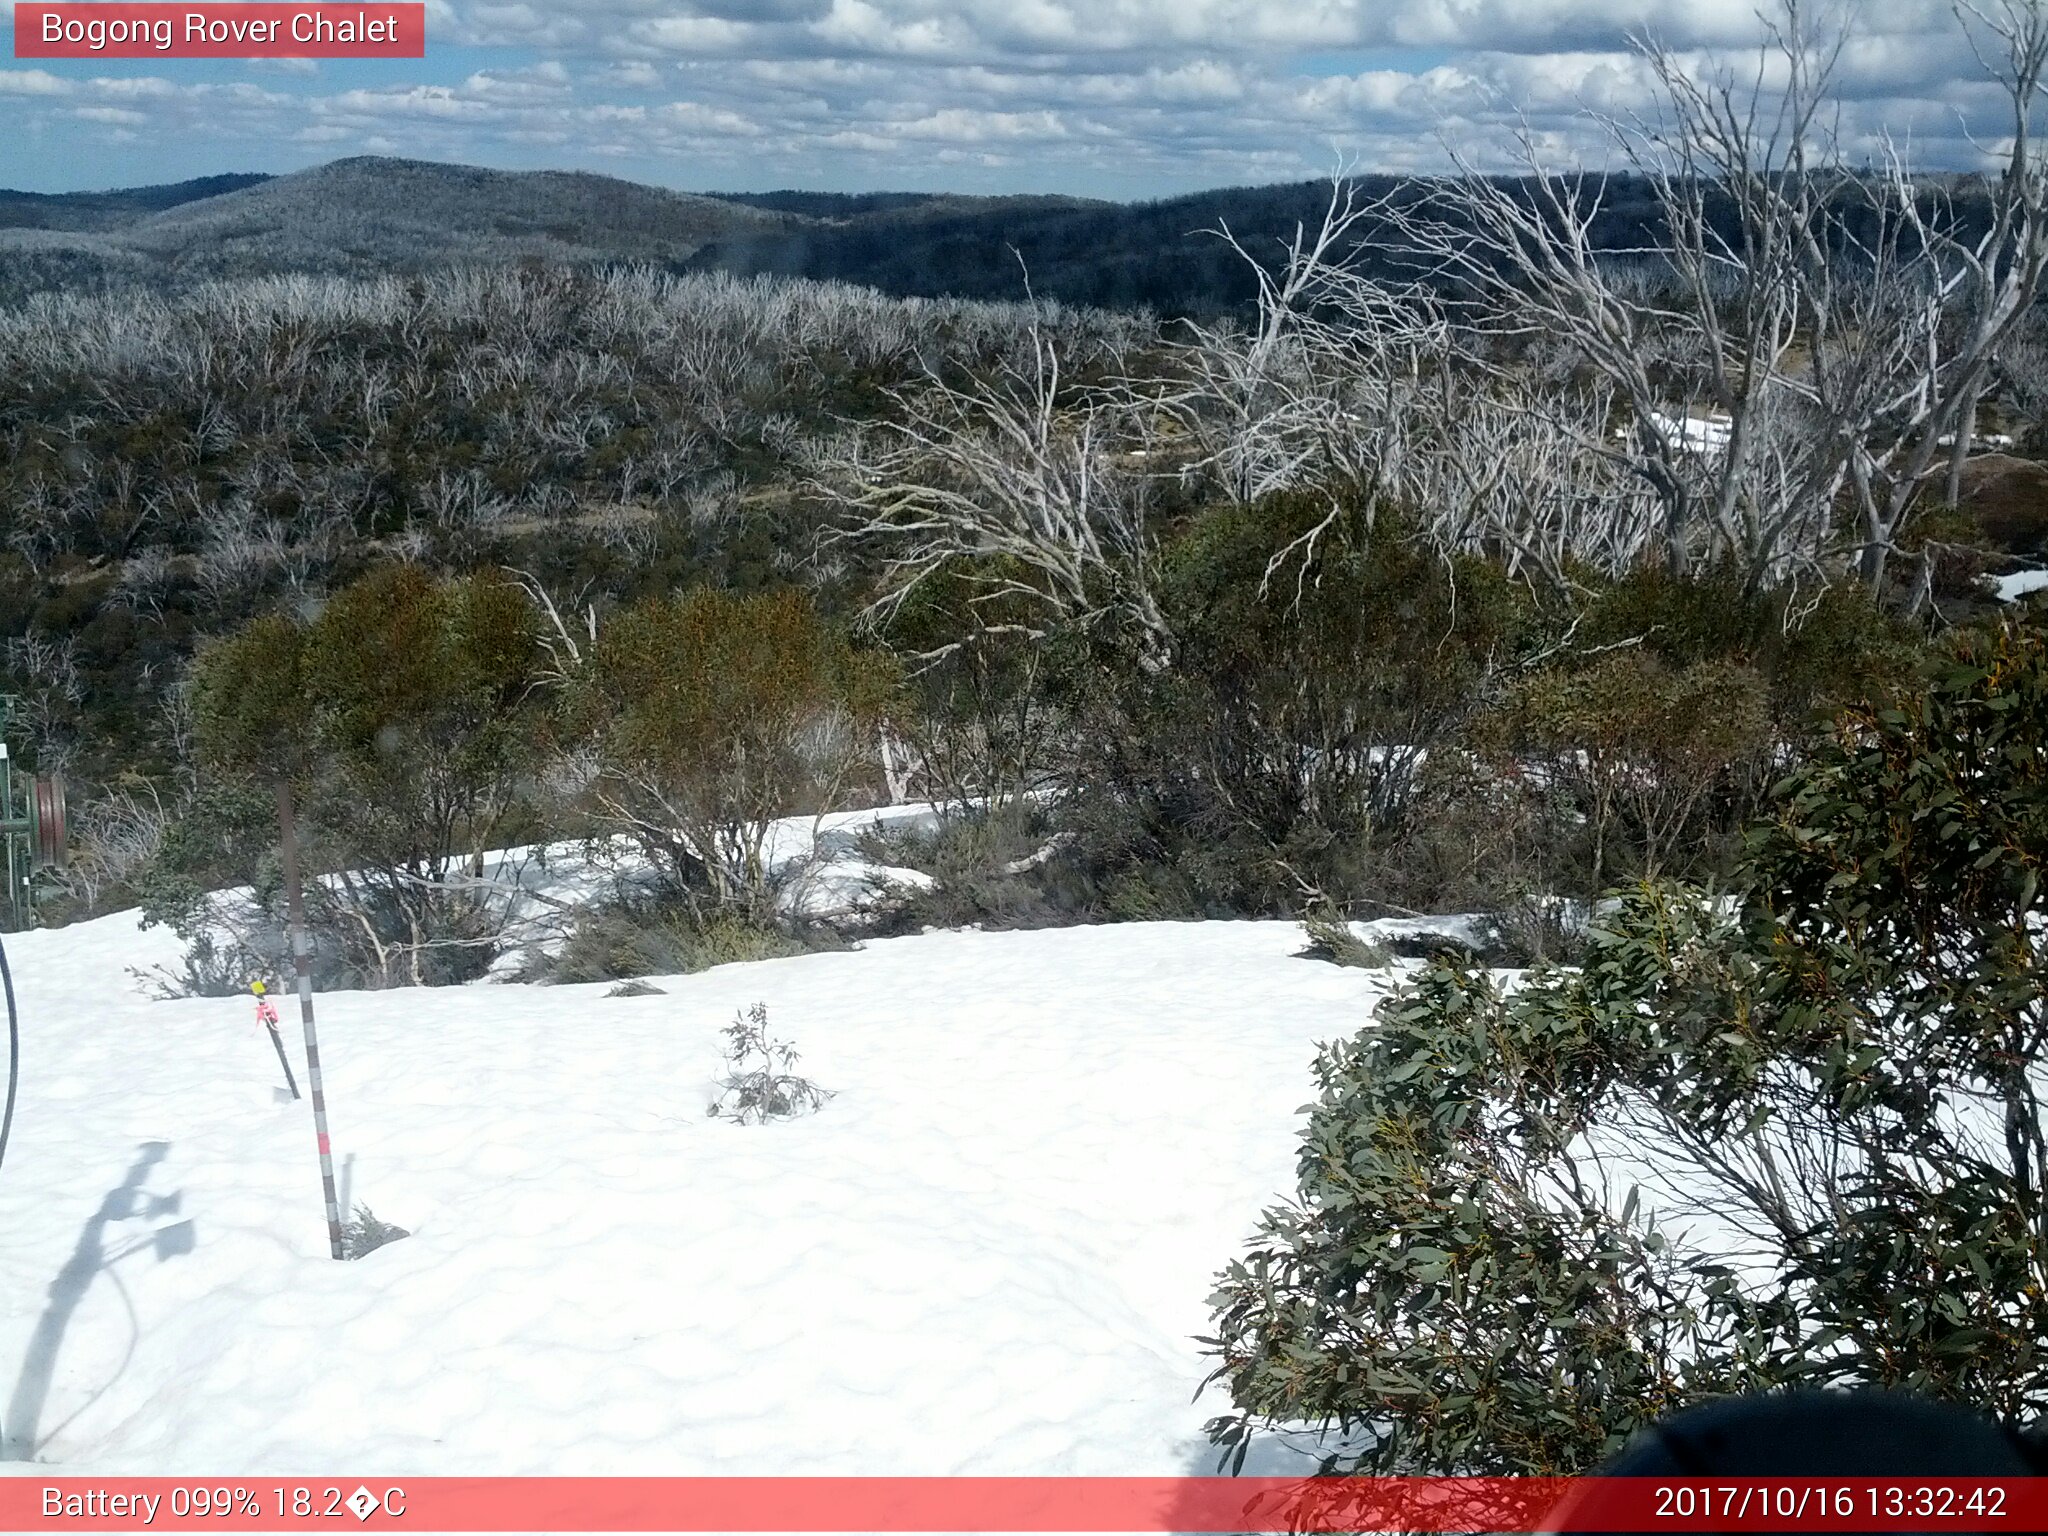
pixel 990 1253
pixel 1467 929
pixel 1702 434
pixel 2010 589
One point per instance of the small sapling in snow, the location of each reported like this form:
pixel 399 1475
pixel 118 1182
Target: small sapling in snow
pixel 759 1083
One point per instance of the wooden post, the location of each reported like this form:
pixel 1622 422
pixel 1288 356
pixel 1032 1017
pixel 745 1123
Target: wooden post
pixel 302 965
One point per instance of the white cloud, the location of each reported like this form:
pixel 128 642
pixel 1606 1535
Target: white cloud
pixel 1109 96
pixel 32 82
pixel 695 117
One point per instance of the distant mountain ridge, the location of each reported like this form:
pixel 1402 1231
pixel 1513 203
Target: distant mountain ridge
pixel 102 210
pixel 375 214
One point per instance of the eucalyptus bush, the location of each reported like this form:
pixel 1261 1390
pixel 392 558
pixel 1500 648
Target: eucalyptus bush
pixel 1636 750
pixel 1784 1134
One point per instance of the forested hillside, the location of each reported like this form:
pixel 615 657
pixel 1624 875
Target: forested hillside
pixel 364 217
pixel 377 215
pixel 109 210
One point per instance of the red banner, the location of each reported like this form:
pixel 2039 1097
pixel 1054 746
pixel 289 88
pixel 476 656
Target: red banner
pixel 1023 1504
pixel 235 29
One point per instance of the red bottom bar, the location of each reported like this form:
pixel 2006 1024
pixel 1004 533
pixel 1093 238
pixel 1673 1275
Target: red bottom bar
pixel 1023 1504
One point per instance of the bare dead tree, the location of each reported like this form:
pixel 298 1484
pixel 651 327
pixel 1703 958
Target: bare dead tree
pixel 112 839
pixel 1837 328
pixel 1493 476
pixel 567 644
pixel 2020 381
pixel 1529 253
pixel 146 579
pixel 1319 391
pixel 1975 290
pixel 1014 484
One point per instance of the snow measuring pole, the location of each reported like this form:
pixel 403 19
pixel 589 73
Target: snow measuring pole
pixel 302 966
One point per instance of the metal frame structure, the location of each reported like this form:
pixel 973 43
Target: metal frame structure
pixel 32 825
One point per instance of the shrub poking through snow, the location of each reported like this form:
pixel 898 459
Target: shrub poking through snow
pixel 711 715
pixel 1330 938
pixel 366 1234
pixel 626 939
pixel 759 1084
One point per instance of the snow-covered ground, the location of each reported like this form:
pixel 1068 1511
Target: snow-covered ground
pixel 989 1253
pixel 537 892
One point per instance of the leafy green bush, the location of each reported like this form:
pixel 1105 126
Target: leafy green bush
pixel 1789 1136
pixel 1639 751
pixel 711 715
pixel 1331 939
pixel 1433 1289
pixel 1815 652
pixel 1358 723
pixel 1281 755
pixel 406 717
pixel 1645 736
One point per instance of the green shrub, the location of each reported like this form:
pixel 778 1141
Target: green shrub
pixel 624 940
pixel 1331 939
pixel 1638 749
pixel 712 715
pixel 1280 756
pixel 1431 1288
pixel 1815 652
pixel 1787 1137
pixel 405 715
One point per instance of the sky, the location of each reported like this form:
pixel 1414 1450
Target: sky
pixel 1122 99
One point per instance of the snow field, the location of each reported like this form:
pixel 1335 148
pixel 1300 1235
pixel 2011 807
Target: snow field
pixel 990 1253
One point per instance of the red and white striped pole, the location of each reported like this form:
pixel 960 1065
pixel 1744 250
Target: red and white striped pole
pixel 302 964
